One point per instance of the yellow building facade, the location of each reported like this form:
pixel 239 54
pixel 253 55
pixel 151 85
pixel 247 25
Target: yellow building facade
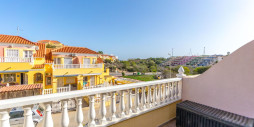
pixel 26 62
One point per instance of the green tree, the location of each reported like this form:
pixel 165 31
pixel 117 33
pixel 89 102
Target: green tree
pixel 153 69
pixel 101 52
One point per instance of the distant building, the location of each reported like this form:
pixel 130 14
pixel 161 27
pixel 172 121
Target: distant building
pixel 110 57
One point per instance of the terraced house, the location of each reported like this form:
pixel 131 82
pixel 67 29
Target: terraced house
pixel 57 67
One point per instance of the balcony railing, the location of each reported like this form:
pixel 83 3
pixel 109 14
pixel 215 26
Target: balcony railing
pixel 66 66
pixel 16 59
pixel 154 94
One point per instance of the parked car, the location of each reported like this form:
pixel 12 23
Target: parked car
pixel 17 115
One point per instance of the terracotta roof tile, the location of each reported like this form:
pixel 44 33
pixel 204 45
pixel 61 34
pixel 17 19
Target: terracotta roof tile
pixel 42 50
pixel 20 87
pixel 49 41
pixel 38 66
pixel 99 60
pixel 48 56
pixel 69 49
pixel 14 39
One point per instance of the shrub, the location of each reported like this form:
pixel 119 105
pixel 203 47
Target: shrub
pixel 200 70
pixel 123 74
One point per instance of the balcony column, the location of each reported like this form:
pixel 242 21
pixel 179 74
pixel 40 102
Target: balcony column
pixel 4 118
pixel 79 112
pixel 65 117
pixel 149 99
pixel 103 109
pixel 143 99
pixel 137 100
pixel 54 85
pixel 92 111
pixel 163 92
pixel 48 121
pixel 80 82
pixel 129 102
pixel 113 105
pixel 155 98
pixel 28 119
pixel 122 106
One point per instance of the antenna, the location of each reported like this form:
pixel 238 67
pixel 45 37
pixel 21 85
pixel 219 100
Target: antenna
pixel 18 30
pixel 204 51
pixel 190 53
pixel 172 52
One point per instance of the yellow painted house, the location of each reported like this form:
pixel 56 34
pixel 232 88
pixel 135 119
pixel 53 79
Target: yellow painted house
pixel 26 62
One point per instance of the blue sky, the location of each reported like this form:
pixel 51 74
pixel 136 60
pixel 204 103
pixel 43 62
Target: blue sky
pixel 134 28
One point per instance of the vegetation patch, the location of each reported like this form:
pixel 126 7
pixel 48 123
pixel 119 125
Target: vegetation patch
pixel 142 77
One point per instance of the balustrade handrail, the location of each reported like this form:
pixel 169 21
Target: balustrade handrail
pixel 16 59
pixel 18 102
pixel 64 66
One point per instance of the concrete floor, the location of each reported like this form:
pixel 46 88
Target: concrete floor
pixel 171 123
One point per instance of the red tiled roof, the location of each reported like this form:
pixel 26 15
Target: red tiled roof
pixel 48 56
pixel 49 41
pixel 99 60
pixel 14 39
pixel 69 49
pixel 41 51
pixel 38 66
pixel 20 87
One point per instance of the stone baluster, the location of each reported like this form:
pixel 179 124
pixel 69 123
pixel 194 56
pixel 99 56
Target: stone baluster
pixel 177 90
pixel 163 92
pixel 4 118
pixel 79 112
pixel 92 111
pixel 149 99
pixel 169 91
pixel 48 121
pixel 129 102
pixel 137 100
pixel 143 99
pixel 103 109
pixel 166 92
pixel 28 119
pixel 155 98
pixel 122 105
pixel 173 91
pixel 160 94
pixel 65 116
pixel 113 105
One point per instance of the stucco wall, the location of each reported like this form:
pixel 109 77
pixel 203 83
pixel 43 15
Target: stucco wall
pixel 228 85
pixel 151 119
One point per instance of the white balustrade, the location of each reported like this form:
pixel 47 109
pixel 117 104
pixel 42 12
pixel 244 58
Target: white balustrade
pixel 28 119
pixel 65 116
pixel 47 91
pixel 103 108
pixel 149 102
pixel 63 89
pixel 79 112
pixel 129 101
pixel 67 66
pixel 16 60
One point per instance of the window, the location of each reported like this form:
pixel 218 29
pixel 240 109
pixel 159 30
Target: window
pixel 28 54
pixel 57 60
pixel 9 77
pixel 86 61
pixel 70 80
pixel 67 60
pixel 48 81
pixel 12 53
pixel 94 60
pixel 38 77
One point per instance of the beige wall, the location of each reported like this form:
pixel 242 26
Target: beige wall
pixel 151 119
pixel 228 85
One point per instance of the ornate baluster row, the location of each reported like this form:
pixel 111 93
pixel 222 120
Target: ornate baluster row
pixel 151 96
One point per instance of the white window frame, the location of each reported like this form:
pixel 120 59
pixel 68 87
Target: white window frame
pixel 68 58
pixel 27 54
pixel 57 60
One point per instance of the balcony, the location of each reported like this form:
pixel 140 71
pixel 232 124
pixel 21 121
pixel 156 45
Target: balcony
pixel 134 99
pixel 16 60
pixel 67 66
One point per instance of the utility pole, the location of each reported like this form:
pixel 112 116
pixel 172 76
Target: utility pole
pixel 204 51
